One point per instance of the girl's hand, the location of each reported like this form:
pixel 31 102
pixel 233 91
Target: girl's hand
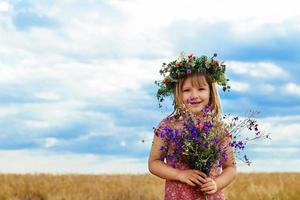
pixel 191 177
pixel 210 187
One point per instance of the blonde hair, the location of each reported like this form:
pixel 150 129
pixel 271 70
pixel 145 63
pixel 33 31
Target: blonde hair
pixel 197 79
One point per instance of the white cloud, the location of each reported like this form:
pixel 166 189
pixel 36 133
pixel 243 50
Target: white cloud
pixel 284 129
pixel 293 88
pixel 265 87
pixel 239 86
pixel 100 80
pixel 4 6
pixel 123 143
pixel 142 12
pixel 87 35
pixel 52 116
pixel 50 142
pixel 47 95
pixel 237 16
pixel 8 110
pixel 279 150
pixel 84 33
pixel 36 123
pixel 131 29
pixel 36 161
pixel 270 165
pixel 259 69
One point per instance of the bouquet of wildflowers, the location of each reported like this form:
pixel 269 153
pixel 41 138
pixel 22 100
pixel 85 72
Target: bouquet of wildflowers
pixel 201 139
pixel 201 142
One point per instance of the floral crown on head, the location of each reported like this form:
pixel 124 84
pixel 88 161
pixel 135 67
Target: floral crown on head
pixel 186 65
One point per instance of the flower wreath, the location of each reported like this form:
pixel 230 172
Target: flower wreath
pixel 186 65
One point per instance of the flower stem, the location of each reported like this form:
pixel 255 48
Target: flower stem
pixel 205 196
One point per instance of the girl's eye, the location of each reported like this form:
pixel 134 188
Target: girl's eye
pixel 186 90
pixel 201 89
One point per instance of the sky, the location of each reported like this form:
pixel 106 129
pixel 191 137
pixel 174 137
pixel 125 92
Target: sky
pixel 77 92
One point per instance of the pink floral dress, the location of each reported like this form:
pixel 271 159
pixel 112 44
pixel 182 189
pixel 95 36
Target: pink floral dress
pixel 176 190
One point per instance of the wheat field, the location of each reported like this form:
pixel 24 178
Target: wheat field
pixel 252 186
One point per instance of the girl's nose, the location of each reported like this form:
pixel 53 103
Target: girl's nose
pixel 195 97
pixel 195 94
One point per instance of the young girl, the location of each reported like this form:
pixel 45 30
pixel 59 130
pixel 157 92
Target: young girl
pixel 192 81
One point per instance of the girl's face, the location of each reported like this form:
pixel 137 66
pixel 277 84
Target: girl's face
pixel 196 96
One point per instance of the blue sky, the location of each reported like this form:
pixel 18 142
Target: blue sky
pixel 77 90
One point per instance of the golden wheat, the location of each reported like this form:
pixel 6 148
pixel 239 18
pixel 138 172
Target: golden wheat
pixel 252 186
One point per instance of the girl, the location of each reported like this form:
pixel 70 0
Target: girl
pixel 192 81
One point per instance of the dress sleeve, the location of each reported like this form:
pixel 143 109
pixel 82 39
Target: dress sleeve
pixel 161 128
pixel 161 131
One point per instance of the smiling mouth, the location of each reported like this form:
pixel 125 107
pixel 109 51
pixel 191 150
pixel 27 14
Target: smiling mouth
pixel 196 102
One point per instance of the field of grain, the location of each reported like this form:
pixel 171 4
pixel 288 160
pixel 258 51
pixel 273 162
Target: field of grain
pixel 252 186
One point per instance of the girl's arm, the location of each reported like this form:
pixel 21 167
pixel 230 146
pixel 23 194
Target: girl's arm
pixel 229 168
pixel 156 165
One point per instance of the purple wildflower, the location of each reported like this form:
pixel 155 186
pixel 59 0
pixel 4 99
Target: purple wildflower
pixel 207 108
pixel 246 160
pixel 224 155
pixel 216 140
pixel 188 71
